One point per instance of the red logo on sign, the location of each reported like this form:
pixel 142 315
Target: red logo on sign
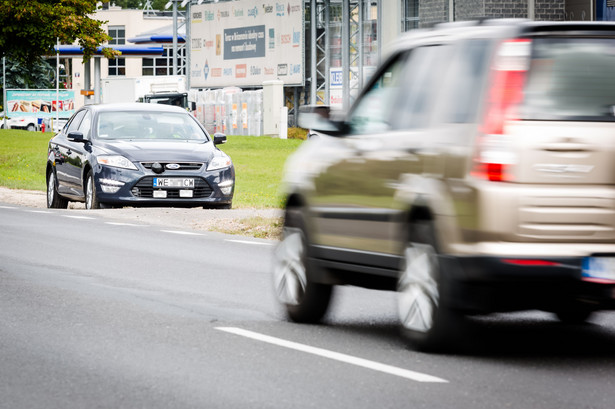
pixel 241 71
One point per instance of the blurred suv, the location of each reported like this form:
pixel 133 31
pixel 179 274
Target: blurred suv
pixel 475 173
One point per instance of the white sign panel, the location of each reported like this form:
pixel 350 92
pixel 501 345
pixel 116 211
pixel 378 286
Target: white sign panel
pixel 244 43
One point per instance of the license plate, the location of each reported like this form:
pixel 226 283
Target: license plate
pixel 160 194
pixel 599 269
pixel 186 193
pixel 171 183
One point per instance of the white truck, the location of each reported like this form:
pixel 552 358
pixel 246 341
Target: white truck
pixel 135 89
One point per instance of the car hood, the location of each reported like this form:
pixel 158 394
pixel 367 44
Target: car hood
pixel 174 151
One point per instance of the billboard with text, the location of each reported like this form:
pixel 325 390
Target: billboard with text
pixel 244 43
pixel 40 103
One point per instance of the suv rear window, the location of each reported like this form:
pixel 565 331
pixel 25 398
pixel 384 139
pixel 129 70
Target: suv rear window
pixel 571 79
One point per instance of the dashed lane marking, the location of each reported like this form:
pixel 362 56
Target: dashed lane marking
pixel 349 359
pixel 182 233
pixel 258 243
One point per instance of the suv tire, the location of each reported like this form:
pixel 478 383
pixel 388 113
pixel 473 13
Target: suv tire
pixel 427 322
pixel 303 299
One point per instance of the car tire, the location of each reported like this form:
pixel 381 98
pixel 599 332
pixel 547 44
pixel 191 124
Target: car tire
pixel 31 128
pixel 303 299
pixel 54 200
pixel 427 321
pixel 91 200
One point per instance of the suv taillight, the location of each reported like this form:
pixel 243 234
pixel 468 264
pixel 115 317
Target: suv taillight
pixel 494 155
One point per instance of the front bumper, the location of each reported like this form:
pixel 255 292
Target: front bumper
pixel 115 186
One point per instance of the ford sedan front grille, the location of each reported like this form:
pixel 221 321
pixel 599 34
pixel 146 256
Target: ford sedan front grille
pixel 180 165
pixel 145 189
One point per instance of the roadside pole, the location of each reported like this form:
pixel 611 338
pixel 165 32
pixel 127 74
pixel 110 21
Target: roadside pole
pixel 4 90
pixel 57 86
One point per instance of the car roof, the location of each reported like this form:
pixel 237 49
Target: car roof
pixel 496 28
pixel 135 106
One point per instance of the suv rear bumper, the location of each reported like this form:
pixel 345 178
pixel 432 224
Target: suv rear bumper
pixel 492 284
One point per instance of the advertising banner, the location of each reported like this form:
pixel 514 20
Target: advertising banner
pixel 243 43
pixel 40 103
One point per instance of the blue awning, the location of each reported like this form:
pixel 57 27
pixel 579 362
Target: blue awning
pixel 127 50
pixel 161 35
pixel 156 39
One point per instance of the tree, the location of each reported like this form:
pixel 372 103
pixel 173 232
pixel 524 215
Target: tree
pixel 37 75
pixel 30 29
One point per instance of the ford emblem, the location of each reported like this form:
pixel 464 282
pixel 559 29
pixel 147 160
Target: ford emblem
pixel 172 166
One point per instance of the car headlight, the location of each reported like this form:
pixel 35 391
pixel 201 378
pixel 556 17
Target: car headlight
pixel 219 162
pixel 116 161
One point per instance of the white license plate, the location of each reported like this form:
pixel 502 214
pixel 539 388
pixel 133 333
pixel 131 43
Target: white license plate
pixel 171 183
pixel 600 269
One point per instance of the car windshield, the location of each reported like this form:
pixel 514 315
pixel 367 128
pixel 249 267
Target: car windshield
pixel 143 125
pixel 571 78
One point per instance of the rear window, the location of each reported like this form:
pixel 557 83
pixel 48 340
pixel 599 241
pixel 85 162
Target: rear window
pixel 571 79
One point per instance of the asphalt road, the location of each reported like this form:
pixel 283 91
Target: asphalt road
pixel 98 313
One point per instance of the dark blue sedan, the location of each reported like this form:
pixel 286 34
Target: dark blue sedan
pixel 137 155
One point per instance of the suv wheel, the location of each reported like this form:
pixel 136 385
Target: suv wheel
pixel 426 320
pixel 303 299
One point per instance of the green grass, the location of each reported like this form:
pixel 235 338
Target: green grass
pixel 23 159
pixel 259 163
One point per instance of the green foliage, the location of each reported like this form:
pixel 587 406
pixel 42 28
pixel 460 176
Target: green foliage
pixel 259 162
pixel 30 29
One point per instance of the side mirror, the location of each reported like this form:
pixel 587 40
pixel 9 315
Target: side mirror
pixel 318 118
pixel 219 138
pixel 76 136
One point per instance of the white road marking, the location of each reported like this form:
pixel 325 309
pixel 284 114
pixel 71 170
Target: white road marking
pixel 40 211
pixel 349 359
pixel 124 224
pixel 7 207
pixel 79 217
pixel 258 243
pixel 183 233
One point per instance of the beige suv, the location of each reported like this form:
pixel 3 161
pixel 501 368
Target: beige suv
pixel 474 174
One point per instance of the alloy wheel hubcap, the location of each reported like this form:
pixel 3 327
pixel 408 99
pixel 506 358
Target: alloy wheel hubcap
pixel 289 272
pixel 418 288
pixel 50 188
pixel 88 194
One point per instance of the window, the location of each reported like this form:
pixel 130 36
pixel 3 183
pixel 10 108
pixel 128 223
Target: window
pixel 164 65
pixel 463 83
pixel 86 124
pixel 373 113
pixel 421 83
pixel 74 124
pixel 409 14
pixel 117 66
pixel 117 34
